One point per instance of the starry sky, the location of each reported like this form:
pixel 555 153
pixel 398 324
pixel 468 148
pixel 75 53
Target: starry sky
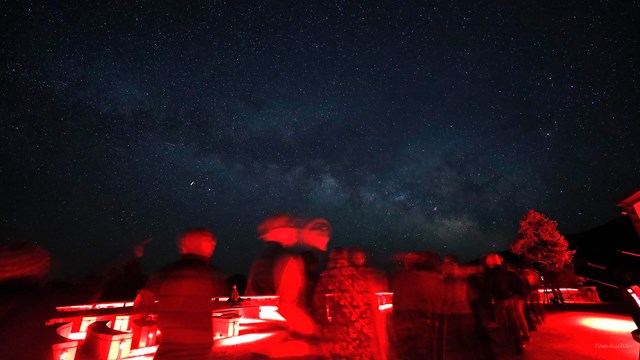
pixel 430 125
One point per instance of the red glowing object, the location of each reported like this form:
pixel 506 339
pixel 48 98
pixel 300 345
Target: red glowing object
pixel 633 291
pixel 244 339
pixel 609 324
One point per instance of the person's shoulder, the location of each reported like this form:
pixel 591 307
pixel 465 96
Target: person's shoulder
pixel 289 256
pixel 168 268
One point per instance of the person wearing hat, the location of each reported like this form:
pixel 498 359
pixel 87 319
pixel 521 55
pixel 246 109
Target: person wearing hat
pixel 180 295
pixel 279 233
pixel 280 270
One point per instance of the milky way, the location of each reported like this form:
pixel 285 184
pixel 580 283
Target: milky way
pixel 430 126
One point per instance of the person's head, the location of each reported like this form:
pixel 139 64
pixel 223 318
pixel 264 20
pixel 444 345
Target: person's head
pixel 450 259
pixel 430 261
pixel 280 228
pixel 449 264
pixel 338 257
pixel 316 234
pixel 358 257
pixel 493 260
pixel 197 241
pixel 410 260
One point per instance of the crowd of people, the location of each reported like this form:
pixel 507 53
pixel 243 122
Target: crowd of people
pixel 440 308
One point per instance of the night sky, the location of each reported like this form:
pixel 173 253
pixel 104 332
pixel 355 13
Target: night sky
pixel 409 127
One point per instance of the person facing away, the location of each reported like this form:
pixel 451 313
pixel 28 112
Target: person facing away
pixel 281 271
pixel 345 305
pixel 479 299
pixel 520 293
pixel 290 277
pixel 261 280
pixel 418 299
pixel 534 302
pixel 505 289
pixel 279 234
pixel 180 295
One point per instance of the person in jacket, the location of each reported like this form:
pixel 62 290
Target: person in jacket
pixel 180 295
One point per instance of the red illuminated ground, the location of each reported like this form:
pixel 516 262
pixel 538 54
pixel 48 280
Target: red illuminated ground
pixel 586 332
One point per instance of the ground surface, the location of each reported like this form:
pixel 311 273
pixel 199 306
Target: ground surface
pixel 586 332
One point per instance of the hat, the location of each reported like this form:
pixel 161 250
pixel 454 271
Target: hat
pixel 279 228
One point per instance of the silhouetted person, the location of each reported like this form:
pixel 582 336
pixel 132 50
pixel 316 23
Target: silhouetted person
pixel 261 273
pixel 358 258
pixel 503 286
pixel 235 296
pixel 480 303
pixel 552 279
pixel 459 330
pixel 532 307
pixel 180 295
pixel 240 281
pixel 519 294
pixel 418 298
pixel 378 283
pixel 125 281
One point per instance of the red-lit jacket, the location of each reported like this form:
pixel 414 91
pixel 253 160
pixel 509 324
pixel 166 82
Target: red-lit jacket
pixel 180 294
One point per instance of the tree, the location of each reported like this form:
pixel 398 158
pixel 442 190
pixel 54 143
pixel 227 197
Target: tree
pixel 540 243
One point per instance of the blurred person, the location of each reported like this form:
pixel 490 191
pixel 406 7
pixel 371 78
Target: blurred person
pixel 378 283
pixel 459 331
pixel 281 270
pixel 180 296
pixel 291 278
pixel 418 298
pixel 519 294
pixel 235 296
pixel 312 275
pixel 358 258
pixel 479 299
pixel 552 281
pixel 346 306
pixel 534 300
pixel 278 238
pixel 124 281
pixel 503 285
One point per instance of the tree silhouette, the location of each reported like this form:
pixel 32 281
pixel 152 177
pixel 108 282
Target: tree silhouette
pixel 540 243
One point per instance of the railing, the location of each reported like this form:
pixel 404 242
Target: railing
pixel 112 331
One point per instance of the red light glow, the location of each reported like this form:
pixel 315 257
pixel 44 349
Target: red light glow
pixel 610 324
pixel 77 335
pixel 109 305
pixel 561 289
pixel 244 339
pixel 633 291
pixel 146 353
pixel 270 313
